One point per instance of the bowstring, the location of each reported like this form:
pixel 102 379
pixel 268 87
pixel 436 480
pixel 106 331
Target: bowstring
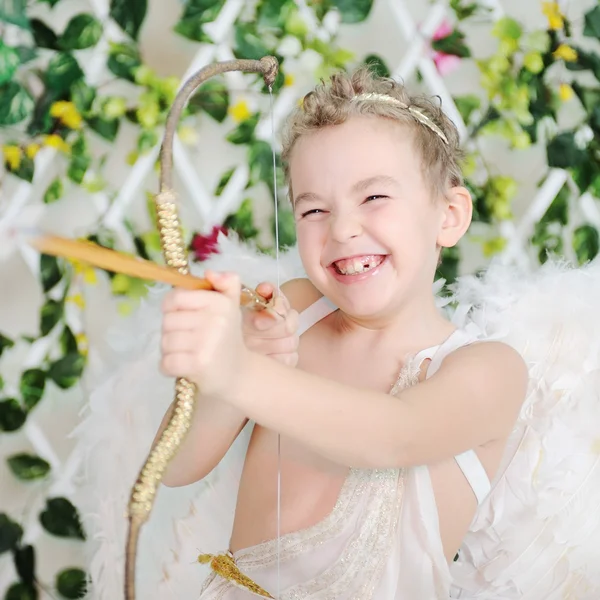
pixel 277 292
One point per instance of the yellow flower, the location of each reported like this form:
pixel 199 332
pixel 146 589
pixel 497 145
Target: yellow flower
pixel 55 141
pixel 82 343
pixel 493 246
pixel 12 155
pixel 188 135
pixel 240 111
pixel 565 52
pixel 88 273
pixel 67 113
pixel 77 300
pixel 288 80
pixel 565 92
pixel 553 14
pixel 31 150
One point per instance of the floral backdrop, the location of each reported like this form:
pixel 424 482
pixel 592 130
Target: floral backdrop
pixel 66 92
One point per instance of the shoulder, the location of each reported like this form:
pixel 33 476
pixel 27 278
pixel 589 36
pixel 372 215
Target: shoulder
pixel 301 293
pixel 492 369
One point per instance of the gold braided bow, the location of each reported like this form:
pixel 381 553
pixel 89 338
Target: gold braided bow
pixel 175 253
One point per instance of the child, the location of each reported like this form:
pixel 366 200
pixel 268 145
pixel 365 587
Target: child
pixel 393 421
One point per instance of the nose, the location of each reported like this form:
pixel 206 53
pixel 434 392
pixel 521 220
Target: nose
pixel 345 226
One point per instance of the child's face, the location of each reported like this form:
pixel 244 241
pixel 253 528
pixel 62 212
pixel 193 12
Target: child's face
pixel 367 224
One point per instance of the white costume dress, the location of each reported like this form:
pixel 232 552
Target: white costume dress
pixel 381 540
pixel 536 533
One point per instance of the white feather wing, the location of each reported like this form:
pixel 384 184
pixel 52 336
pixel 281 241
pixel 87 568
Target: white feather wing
pixel 113 439
pixel 538 534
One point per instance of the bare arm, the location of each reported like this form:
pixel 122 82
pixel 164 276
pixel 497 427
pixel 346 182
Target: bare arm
pixel 474 398
pixel 216 425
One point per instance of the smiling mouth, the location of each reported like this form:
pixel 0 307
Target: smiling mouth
pixel 358 264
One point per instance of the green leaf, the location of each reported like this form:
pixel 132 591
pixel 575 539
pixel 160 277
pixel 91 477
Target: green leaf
pixel 24 559
pixel 507 28
pixel 377 65
pixel 12 416
pixel 260 158
pixel 454 44
pixel 147 140
pixel 464 11
pixel 49 270
pixel 248 43
pixel 244 132
pixel 33 382
pixel 71 583
pixel 558 210
pixel 60 518
pixel 562 151
pixel 10 533
pixel 54 191
pixel 195 15
pixel 83 31
pixel 9 61
pixel 15 12
pixel 466 105
pixel 62 72
pixel 25 169
pixel 272 13
pixel 16 103
pixel 592 23
pixel 224 181
pixel 212 98
pixel 80 160
pixel 353 11
pixel 52 3
pixel 242 222
pixel 68 342
pixel 448 268
pixel 21 591
pixel 43 36
pixel 123 60
pixel 28 467
pixel 107 128
pixel 26 53
pixel 287 228
pixel 66 371
pixel 50 315
pixel 5 343
pixel 82 95
pixel 129 14
pixel 41 121
pixel 586 243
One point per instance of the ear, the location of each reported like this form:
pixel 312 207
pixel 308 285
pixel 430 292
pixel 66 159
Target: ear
pixel 457 215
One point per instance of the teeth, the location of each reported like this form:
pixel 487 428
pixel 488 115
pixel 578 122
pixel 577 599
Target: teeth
pixel 357 265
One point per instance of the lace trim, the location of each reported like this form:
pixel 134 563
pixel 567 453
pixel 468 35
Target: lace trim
pixel 293 544
pixel 365 554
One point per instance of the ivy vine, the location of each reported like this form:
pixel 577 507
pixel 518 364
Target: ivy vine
pixel 46 101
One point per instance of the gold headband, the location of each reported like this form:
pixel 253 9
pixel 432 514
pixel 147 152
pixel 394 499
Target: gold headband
pixel 423 118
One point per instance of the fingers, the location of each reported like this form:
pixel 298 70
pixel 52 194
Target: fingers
pixel 268 326
pixel 266 290
pixel 266 346
pixel 227 283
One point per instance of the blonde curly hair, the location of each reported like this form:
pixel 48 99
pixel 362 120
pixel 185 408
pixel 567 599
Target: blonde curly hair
pixel 364 93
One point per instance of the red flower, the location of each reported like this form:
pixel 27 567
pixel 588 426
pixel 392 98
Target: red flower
pixel 203 246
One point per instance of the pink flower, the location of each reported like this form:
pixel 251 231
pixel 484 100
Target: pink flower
pixel 203 246
pixel 445 63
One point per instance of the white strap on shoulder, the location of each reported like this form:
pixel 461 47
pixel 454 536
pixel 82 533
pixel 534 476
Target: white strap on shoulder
pixel 475 474
pixel 314 313
pixel 468 461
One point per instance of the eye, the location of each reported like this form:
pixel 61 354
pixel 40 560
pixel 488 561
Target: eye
pixel 375 197
pixel 314 211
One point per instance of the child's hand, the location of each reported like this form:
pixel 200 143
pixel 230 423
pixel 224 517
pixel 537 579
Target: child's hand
pixel 202 335
pixel 273 332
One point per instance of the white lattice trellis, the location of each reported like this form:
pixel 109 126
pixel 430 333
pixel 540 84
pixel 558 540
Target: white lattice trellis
pixel 212 211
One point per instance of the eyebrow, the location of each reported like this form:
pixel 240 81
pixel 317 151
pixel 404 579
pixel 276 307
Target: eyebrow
pixel 359 186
